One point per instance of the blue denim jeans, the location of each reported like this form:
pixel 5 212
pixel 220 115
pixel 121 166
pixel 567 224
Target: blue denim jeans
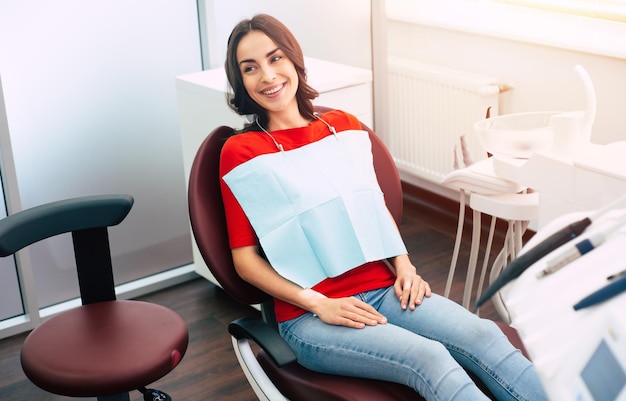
pixel 425 349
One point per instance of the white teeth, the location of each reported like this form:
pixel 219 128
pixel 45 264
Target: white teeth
pixel 272 91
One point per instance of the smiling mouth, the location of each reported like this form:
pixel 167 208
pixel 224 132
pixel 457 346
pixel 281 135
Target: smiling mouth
pixel 273 90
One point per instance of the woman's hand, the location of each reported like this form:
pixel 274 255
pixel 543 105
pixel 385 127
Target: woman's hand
pixel 349 311
pixel 410 287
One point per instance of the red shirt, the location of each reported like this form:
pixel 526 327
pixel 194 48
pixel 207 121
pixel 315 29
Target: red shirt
pixel 243 147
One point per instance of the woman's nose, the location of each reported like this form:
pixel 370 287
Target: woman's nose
pixel 268 74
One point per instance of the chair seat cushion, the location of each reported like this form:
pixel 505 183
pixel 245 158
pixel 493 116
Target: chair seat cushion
pixel 298 383
pixel 104 348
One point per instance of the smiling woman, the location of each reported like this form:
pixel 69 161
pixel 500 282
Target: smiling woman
pixel 347 297
pixel 247 65
pixel 269 77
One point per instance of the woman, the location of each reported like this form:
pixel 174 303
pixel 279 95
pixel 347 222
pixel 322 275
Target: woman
pixel 376 318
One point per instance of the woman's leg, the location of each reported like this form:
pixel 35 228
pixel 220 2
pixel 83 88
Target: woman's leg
pixel 383 352
pixel 477 344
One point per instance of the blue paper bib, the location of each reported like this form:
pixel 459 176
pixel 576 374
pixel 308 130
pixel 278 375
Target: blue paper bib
pixel 317 210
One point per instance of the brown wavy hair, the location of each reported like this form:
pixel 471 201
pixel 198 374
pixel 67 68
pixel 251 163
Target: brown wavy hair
pixel 239 99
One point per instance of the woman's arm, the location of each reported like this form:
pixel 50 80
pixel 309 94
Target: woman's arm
pixel 410 287
pixel 348 311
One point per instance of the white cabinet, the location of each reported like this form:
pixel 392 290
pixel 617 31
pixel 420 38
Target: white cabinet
pixel 592 178
pixel 202 107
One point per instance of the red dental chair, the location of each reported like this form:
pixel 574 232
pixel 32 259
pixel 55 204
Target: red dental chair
pixel 273 371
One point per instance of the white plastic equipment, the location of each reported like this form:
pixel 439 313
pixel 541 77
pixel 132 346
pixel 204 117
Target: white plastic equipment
pixel 499 198
pixel 516 136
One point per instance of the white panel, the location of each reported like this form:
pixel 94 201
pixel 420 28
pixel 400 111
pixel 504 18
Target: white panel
pixel 91 104
pixel 10 297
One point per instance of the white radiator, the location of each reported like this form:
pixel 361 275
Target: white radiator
pixel 430 107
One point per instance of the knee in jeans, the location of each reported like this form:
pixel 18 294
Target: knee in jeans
pixel 436 351
pixel 487 331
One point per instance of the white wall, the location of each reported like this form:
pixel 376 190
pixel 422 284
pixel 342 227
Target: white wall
pixel 541 74
pixel 331 30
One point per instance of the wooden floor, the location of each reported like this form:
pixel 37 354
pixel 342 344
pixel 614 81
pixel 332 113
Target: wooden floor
pixel 209 370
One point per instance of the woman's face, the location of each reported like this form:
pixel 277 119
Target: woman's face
pixel 269 77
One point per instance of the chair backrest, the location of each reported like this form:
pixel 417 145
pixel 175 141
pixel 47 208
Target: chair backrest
pixel 206 209
pixel 88 219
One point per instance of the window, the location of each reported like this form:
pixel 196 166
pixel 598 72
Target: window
pixel 527 21
pixel 613 10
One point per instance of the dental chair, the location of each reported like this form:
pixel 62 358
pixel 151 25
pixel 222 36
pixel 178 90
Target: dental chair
pixel 270 366
pixel 105 347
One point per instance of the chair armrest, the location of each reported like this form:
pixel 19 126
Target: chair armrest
pixel 35 224
pixel 265 337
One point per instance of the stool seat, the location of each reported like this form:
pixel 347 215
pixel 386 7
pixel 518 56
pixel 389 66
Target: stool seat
pixel 104 348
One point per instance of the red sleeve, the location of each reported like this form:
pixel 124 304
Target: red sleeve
pixel 342 120
pixel 354 122
pixel 240 232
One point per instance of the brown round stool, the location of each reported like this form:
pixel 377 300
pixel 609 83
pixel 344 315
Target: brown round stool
pixel 105 348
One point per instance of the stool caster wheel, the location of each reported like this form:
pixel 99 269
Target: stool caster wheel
pixel 150 394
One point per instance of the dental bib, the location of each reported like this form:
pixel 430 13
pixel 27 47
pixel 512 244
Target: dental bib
pixel 317 210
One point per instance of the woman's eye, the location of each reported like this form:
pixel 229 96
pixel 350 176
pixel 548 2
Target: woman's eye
pixel 248 68
pixel 276 58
